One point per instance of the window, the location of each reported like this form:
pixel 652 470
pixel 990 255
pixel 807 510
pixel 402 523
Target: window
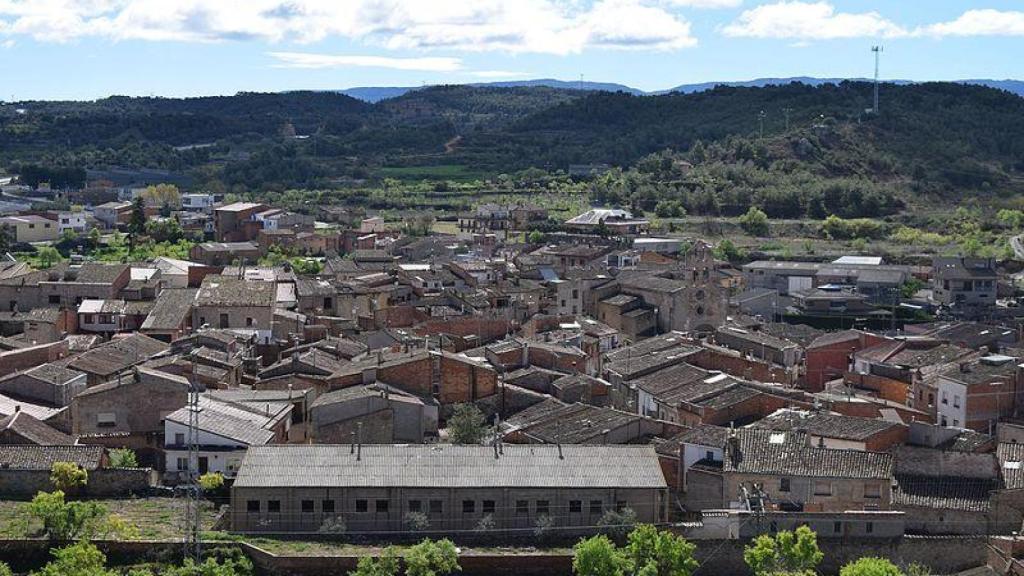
pixel 182 464
pixel 106 420
pixel 837 527
pixel 53 298
pixel 249 322
pixel 944 422
pixel 784 485
pixel 468 506
pixel 223 320
pixel 252 506
pixel 869 527
pixel 822 488
pixel 179 438
pixel 873 490
pixel 945 398
pixel 307 506
pixel 542 506
pixel 273 505
pixel 575 506
pixel 522 507
pixel 709 455
pixel 414 505
pixel 956 401
pixel 595 506
pixel 381 506
pixel 488 507
pixel 361 506
pixel 436 506
pixel 620 505
pixel 575 294
pixel 956 422
pixel 327 506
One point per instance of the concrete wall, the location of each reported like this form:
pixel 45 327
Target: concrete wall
pixel 103 483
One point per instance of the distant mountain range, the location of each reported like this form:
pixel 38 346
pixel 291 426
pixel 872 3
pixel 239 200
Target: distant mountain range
pixel 378 93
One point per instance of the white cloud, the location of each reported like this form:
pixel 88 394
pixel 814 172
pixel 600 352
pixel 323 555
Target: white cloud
pixel 538 26
pixel 810 21
pixel 312 60
pixel 7 44
pixel 705 3
pixel 979 23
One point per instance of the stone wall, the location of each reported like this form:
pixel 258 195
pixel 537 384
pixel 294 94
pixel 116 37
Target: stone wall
pixel 104 483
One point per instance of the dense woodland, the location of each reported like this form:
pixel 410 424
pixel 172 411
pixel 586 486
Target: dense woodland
pixel 793 150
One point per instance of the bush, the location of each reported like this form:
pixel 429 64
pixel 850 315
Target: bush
pixel 333 525
pixel 211 481
pixel 786 552
pixel 430 558
pixel 65 521
pixel 543 526
pixel 870 567
pixel 384 565
pixel 755 222
pixel 123 458
pixel 68 476
pixel 598 556
pixel 618 523
pixel 486 523
pixel 82 559
pixel 417 521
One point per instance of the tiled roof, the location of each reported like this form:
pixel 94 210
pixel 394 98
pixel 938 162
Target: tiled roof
pixel 53 373
pixel 116 355
pixel 172 307
pixel 229 291
pixel 34 431
pixel 1011 462
pixel 96 273
pixel 23 457
pixel 943 492
pixel 825 424
pixel 789 454
pixel 238 422
pixel 427 466
pixel 705 435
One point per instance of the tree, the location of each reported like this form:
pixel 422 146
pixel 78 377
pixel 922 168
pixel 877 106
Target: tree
pixel 68 476
pixel 654 552
pixel 81 559
pixel 535 237
pixel 163 195
pixel 1013 219
pixel 466 425
pixel 47 256
pixel 432 558
pixel 136 222
pixel 726 250
pixel 5 570
pixel 870 567
pixel 384 565
pixel 164 230
pixel 232 565
pixel 754 222
pixel 598 556
pixel 123 458
pixel 618 523
pixel 787 552
pixel 65 521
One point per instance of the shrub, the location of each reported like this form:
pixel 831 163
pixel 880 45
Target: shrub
pixel 64 521
pixel 543 526
pixel 754 222
pixel 870 567
pixel 618 523
pixel 417 521
pixel 430 558
pixel 333 525
pixel 466 425
pixel 123 458
pixel 486 523
pixel 68 476
pixel 211 481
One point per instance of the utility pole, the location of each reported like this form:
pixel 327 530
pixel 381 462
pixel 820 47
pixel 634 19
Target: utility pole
pixel 878 52
pixel 760 124
pixel 193 499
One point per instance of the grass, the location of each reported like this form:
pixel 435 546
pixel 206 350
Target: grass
pixel 147 518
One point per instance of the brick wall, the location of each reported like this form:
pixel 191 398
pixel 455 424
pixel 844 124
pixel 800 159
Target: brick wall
pixel 25 358
pixel 886 388
pixel 734 363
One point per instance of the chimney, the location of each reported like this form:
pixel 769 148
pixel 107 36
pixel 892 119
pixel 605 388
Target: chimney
pixel 352 450
pixel 359 441
pixel 560 455
pixel 17 408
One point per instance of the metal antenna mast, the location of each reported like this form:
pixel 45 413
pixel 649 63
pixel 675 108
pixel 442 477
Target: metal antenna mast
pixel 193 544
pixel 878 52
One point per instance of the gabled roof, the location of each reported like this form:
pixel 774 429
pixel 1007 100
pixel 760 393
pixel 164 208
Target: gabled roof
pixel 790 453
pixel 242 423
pixel 26 457
pixel 112 357
pixel 230 291
pixel 451 466
pixel 171 309
pixel 944 492
pixel 825 424
pixel 32 430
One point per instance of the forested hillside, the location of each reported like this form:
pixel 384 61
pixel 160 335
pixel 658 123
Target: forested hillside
pixel 940 140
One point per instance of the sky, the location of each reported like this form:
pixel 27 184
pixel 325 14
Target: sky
pixel 86 49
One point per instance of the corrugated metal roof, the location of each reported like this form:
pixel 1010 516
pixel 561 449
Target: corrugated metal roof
pixel 428 466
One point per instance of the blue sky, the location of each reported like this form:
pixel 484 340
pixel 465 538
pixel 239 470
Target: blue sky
pixel 83 49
